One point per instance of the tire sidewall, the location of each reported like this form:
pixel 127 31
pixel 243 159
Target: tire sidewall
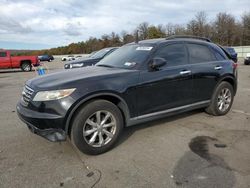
pixel 80 119
pixel 221 86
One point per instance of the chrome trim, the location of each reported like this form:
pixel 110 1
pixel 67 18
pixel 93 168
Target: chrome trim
pixel 218 67
pixel 185 72
pixel 27 94
pixel 170 110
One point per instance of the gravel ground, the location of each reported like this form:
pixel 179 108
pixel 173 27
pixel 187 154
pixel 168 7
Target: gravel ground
pixel 192 149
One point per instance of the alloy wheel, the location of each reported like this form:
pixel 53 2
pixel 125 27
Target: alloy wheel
pixel 224 99
pixel 99 128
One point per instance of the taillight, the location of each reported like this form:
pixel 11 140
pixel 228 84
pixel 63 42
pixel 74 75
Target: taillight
pixel 235 65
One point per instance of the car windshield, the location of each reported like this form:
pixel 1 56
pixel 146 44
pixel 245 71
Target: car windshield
pixel 127 57
pixel 100 53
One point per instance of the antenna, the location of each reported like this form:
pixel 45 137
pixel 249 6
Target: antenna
pixel 136 36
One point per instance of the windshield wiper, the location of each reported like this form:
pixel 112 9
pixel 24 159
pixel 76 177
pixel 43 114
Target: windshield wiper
pixel 105 65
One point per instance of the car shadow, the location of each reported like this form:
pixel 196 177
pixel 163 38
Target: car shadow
pixel 129 131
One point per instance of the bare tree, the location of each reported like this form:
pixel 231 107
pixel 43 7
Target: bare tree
pixel 246 29
pixel 127 37
pixel 224 26
pixel 179 30
pixel 162 30
pixel 143 30
pixel 199 25
pixel 169 29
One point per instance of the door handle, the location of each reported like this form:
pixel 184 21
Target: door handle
pixel 218 67
pixel 185 72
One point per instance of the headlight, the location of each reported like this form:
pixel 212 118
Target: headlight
pixel 53 95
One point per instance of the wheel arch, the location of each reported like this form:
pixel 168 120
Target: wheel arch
pixel 25 61
pixel 111 97
pixel 227 78
pixel 231 80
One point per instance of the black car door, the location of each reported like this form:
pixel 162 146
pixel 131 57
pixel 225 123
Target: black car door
pixel 168 87
pixel 206 70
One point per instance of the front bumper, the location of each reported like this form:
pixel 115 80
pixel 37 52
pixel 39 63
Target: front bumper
pixel 43 124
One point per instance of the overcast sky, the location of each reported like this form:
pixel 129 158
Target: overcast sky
pixel 38 24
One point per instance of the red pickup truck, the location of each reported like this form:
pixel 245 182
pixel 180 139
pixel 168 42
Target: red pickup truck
pixel 23 62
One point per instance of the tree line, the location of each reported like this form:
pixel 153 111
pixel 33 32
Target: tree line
pixel 225 30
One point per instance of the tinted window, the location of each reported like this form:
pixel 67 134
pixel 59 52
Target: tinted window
pixel 218 55
pixel 3 54
pixel 200 53
pixel 174 54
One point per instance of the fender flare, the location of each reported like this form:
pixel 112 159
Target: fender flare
pixel 122 105
pixel 227 77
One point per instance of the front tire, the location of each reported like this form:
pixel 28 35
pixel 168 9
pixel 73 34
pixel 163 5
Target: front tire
pixel 222 99
pixel 97 127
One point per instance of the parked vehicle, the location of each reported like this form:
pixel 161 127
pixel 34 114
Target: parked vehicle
pixel 48 58
pixel 247 59
pixel 138 82
pixel 92 60
pixel 68 58
pixel 23 62
pixel 232 53
pixel 92 53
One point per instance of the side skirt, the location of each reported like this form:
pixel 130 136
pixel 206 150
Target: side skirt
pixel 166 113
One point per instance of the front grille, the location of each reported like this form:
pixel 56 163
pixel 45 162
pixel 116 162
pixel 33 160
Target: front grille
pixel 26 94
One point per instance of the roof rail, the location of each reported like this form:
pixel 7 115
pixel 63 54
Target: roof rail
pixel 188 36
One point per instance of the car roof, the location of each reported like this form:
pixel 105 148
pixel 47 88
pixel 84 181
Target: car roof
pixel 174 38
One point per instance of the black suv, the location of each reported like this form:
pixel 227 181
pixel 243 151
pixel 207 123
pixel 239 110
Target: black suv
pixel 136 83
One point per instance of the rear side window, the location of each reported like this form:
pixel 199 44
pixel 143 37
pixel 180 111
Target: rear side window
pixel 174 54
pixel 218 55
pixel 3 54
pixel 199 53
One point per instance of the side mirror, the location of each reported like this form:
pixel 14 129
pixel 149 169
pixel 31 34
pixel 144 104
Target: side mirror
pixel 156 63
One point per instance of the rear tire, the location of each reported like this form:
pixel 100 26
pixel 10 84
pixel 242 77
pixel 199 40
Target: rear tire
pixel 96 127
pixel 222 99
pixel 26 67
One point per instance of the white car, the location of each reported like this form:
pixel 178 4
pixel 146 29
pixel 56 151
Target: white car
pixel 68 58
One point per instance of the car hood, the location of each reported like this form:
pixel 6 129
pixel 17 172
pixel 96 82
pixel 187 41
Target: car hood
pixel 85 60
pixel 66 78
